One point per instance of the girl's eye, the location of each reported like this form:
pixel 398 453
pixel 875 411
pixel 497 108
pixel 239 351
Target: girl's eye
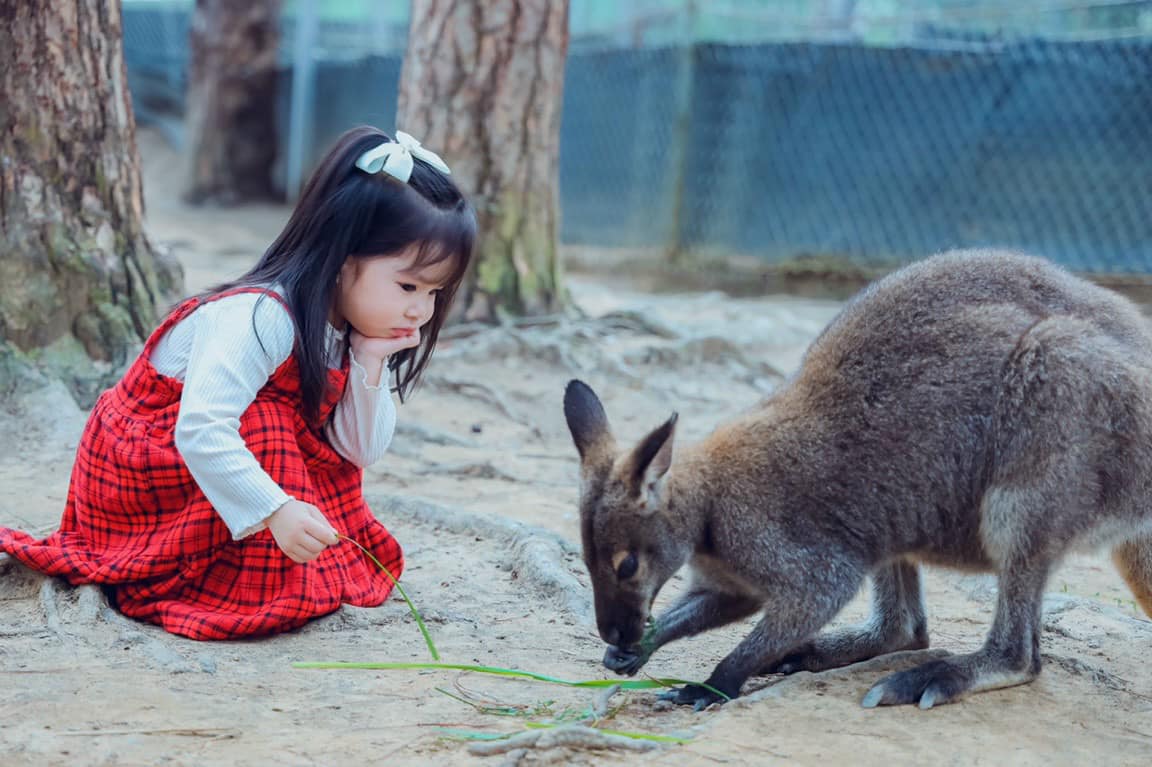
pixel 628 567
pixel 407 287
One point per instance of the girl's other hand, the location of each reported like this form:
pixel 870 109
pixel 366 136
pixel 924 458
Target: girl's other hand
pixel 301 531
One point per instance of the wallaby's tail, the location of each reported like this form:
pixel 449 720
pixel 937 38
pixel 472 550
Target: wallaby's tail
pixel 1134 559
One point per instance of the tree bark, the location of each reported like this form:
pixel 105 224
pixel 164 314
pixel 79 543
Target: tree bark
pixel 74 258
pixel 230 115
pixel 482 85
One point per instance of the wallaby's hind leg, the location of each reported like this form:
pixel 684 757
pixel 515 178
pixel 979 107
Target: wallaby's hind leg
pixel 1134 560
pixel 1010 656
pixel 897 623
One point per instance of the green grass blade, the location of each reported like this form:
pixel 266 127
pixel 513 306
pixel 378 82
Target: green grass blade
pixel 399 588
pixel 630 684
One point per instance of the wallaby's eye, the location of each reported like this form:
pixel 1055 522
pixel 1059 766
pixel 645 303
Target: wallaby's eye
pixel 627 567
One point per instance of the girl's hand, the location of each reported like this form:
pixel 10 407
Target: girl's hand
pixel 371 352
pixel 301 531
pixel 374 348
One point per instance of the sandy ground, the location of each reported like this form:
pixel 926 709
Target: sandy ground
pixel 480 488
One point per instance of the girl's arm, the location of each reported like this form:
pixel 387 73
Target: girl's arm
pixel 227 364
pixel 364 420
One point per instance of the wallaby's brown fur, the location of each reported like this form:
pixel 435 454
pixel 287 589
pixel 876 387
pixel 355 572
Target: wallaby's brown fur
pixel 979 409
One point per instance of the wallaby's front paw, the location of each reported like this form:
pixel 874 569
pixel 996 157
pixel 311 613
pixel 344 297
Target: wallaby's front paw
pixel 626 661
pixel 693 695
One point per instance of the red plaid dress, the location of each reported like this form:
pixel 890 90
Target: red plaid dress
pixel 137 522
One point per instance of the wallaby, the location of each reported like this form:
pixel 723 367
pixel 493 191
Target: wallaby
pixel 978 409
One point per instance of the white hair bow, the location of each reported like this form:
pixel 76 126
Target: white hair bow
pixel 395 157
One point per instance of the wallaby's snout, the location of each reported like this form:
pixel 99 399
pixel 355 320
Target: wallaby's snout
pixel 620 627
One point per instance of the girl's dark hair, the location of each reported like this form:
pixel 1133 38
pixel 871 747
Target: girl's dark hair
pixel 344 213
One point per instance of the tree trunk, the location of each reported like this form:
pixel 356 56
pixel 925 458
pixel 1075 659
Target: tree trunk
pixel 231 109
pixel 482 85
pixel 74 259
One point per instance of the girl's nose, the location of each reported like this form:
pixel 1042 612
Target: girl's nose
pixel 420 311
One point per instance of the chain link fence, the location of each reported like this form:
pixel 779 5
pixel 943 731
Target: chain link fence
pixel 843 131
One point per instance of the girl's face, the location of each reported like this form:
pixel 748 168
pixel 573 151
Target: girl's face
pixel 382 297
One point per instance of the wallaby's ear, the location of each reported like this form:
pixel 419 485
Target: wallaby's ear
pixel 586 418
pixel 650 461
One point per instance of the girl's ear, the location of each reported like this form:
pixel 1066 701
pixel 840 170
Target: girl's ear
pixel 347 276
pixel 347 273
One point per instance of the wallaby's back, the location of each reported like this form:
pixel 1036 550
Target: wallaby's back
pixel 935 381
pixel 915 309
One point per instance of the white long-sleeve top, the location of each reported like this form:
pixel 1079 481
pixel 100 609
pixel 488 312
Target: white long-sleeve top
pixel 223 363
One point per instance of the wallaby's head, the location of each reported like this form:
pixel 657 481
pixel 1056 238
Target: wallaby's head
pixel 630 545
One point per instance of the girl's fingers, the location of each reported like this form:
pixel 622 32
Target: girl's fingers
pixel 383 346
pixel 310 544
pixel 316 540
pixel 321 530
pixel 309 536
pixel 300 555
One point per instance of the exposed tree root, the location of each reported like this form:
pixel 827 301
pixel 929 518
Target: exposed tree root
pixel 479 391
pixel 537 555
pixel 581 347
pixel 573 736
pixel 49 607
pixel 427 435
pixel 63 606
pixel 480 469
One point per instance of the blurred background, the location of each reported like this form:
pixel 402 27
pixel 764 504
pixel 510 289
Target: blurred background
pixel 828 135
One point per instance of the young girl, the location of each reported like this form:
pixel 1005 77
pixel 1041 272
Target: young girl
pixel 212 481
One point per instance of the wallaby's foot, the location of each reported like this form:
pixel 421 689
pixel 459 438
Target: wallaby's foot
pixel 947 680
pixel 694 695
pixel 842 648
pixel 625 661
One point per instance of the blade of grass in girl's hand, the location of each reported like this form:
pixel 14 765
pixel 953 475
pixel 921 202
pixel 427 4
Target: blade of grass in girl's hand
pixel 399 588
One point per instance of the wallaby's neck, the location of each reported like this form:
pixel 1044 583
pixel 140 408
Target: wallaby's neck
pixel 713 479
pixel 691 497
